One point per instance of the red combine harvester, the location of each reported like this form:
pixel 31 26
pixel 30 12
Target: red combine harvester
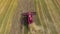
pixel 29 16
pixel 27 21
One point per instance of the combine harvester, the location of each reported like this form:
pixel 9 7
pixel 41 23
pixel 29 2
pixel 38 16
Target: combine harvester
pixel 47 16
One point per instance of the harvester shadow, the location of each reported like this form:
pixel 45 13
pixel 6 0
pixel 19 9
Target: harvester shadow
pixel 24 23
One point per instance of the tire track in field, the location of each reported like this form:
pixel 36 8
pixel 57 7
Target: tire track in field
pixel 6 25
pixel 9 23
pixel 40 15
pixel 15 29
pixel 55 16
pixel 49 21
pixel 16 25
pixel 4 11
pixel 52 15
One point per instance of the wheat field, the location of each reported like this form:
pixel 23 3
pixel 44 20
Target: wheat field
pixel 47 16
